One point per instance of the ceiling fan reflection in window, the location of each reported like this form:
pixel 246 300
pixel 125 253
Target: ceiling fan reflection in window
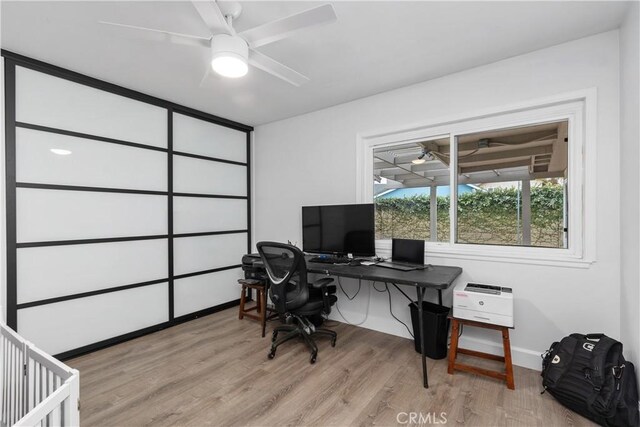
pixel 430 151
pixel 232 52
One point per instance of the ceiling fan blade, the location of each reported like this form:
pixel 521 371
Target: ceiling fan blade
pixel 281 28
pixel 169 36
pixel 275 68
pixel 212 16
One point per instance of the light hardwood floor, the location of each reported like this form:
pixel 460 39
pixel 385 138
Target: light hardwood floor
pixel 215 371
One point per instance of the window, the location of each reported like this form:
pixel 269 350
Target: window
pixel 516 185
pixel 510 184
pixel 411 191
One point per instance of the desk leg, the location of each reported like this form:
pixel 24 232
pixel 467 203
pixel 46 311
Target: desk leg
pixel 425 380
pixel 440 296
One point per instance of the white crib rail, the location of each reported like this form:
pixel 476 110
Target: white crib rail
pixel 37 390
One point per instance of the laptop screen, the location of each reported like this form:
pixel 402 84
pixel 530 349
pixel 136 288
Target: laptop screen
pixel 407 250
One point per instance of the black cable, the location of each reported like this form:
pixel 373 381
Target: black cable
pixel 393 315
pixel 347 295
pixel 374 287
pixel 459 335
pixel 388 291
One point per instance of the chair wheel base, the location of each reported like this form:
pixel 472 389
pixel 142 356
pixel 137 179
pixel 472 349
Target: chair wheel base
pixel 333 342
pixel 313 359
pixel 272 353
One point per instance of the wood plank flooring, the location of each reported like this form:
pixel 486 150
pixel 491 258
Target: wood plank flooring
pixel 215 371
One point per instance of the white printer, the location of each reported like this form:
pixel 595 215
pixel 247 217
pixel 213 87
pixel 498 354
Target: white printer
pixel 483 303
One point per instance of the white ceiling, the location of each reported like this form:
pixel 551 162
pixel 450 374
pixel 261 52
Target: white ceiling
pixel 372 48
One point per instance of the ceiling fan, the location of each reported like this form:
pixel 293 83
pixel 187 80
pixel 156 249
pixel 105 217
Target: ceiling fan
pixel 232 52
pixel 430 151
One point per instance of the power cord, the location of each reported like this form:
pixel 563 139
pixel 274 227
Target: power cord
pixel 366 316
pixel 388 291
pixel 459 335
pixel 347 295
pixel 374 287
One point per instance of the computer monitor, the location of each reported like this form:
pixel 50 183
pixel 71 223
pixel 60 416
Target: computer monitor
pixel 339 229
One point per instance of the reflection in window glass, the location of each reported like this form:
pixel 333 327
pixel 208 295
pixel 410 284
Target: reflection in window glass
pixel 517 181
pixel 411 191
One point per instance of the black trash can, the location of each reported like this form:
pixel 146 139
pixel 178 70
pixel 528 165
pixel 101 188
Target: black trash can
pixel 435 326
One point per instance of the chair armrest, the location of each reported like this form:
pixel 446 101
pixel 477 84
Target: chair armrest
pixel 326 300
pixel 322 282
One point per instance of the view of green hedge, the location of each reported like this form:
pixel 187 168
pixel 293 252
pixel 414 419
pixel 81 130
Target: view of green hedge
pixel 488 217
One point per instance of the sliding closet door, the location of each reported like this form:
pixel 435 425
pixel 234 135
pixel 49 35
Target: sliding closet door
pixel 125 213
pixel 91 209
pixel 210 213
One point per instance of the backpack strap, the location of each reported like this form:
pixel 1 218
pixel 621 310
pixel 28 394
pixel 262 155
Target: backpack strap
pixel 599 357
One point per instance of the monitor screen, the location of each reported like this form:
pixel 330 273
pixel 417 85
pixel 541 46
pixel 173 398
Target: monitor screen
pixel 339 229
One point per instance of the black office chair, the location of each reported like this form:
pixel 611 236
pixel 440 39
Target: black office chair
pixel 296 300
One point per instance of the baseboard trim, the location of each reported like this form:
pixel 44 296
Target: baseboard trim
pixel 523 357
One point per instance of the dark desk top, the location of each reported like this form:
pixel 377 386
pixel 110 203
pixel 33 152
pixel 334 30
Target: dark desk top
pixel 434 277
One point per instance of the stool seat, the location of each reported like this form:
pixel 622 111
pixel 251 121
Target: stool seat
pixel 506 376
pixel 251 282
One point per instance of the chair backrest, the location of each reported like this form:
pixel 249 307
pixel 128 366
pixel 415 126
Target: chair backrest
pixel 287 271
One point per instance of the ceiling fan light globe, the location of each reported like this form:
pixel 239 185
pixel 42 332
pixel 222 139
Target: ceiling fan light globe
pixel 418 161
pixel 229 55
pixel 229 66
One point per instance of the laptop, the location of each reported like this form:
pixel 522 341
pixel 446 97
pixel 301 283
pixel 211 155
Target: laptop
pixel 406 255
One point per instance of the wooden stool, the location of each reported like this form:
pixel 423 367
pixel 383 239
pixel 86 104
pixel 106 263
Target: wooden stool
pixel 454 350
pixel 260 286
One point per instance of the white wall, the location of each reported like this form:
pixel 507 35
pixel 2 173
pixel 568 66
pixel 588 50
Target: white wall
pixel 310 159
pixel 630 183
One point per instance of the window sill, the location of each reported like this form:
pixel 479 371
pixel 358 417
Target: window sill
pixel 500 254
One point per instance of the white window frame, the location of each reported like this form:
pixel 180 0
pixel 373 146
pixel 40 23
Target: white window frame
pixel 579 108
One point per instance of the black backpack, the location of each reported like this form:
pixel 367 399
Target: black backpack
pixel 589 375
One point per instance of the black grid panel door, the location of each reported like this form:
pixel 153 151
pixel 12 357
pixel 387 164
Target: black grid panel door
pixel 110 233
pixel 210 212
